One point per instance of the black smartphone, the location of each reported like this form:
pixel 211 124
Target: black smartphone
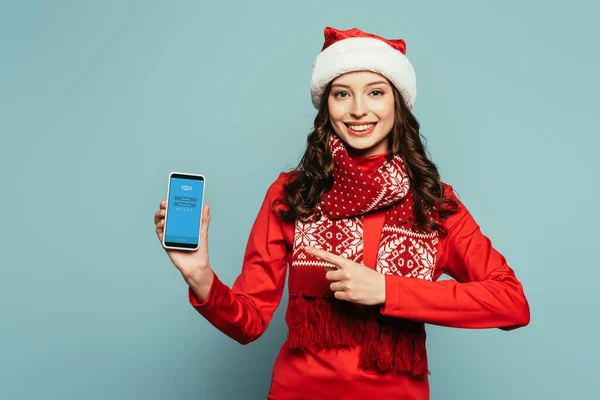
pixel 183 216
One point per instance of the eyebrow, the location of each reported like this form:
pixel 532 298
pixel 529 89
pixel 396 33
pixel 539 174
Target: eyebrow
pixel 369 84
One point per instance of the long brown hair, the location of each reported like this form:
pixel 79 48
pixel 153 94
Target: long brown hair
pixel 314 174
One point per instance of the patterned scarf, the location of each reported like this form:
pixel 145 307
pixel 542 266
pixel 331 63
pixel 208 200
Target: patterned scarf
pixel 316 319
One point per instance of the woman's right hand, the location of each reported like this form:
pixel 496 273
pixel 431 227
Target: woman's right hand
pixel 193 265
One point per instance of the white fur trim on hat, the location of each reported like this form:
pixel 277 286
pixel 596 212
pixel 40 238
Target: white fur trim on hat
pixel 363 54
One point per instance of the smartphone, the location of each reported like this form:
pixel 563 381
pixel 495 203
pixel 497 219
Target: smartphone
pixel 183 216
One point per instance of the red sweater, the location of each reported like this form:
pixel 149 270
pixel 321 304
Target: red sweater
pixel 484 294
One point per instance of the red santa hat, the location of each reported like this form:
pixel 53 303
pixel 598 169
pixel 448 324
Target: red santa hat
pixel 354 50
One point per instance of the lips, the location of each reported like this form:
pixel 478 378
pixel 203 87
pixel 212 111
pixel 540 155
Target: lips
pixel 360 123
pixel 362 132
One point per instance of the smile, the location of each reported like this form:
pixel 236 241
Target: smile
pixel 361 130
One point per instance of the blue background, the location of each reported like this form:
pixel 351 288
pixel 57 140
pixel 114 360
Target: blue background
pixel 99 101
pixel 184 221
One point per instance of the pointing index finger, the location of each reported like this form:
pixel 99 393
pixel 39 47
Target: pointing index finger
pixel 326 256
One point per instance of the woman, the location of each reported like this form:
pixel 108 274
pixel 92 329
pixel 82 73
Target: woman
pixel 366 227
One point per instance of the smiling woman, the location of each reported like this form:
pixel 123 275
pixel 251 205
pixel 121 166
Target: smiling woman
pixel 364 227
pixel 361 111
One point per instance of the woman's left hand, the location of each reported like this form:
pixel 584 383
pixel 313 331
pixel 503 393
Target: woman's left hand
pixel 352 281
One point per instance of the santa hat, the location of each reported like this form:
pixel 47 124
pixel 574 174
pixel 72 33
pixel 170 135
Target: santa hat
pixel 355 50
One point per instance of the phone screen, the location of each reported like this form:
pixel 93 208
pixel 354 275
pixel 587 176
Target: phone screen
pixel 184 210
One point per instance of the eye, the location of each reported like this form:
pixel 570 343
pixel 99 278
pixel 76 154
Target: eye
pixel 377 91
pixel 340 93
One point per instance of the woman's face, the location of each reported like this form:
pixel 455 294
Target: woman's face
pixel 361 111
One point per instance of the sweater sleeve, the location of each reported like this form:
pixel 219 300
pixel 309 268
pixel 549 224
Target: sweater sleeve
pixel 485 292
pixel 244 311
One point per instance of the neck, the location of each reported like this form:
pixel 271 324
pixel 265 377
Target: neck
pixel 377 149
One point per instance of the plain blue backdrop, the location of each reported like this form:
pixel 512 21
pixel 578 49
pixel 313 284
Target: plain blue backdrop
pixel 99 101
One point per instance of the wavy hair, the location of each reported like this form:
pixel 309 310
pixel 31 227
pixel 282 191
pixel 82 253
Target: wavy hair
pixel 314 174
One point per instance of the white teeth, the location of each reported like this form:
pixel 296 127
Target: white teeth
pixel 361 127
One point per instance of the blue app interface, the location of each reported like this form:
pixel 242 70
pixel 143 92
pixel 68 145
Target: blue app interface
pixel 185 203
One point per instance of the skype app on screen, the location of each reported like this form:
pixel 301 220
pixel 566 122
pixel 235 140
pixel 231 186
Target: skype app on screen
pixel 185 203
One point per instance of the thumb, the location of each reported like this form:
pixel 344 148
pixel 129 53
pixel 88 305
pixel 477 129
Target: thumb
pixel 203 251
pixel 205 218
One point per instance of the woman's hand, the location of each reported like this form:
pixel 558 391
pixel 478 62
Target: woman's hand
pixel 193 265
pixel 352 281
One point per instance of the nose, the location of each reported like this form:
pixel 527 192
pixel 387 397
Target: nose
pixel 358 109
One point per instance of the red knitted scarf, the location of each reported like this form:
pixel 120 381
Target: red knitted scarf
pixel 316 319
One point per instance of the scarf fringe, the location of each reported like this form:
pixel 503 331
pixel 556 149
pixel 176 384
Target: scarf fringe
pixel 388 345
pixel 395 346
pixel 319 323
